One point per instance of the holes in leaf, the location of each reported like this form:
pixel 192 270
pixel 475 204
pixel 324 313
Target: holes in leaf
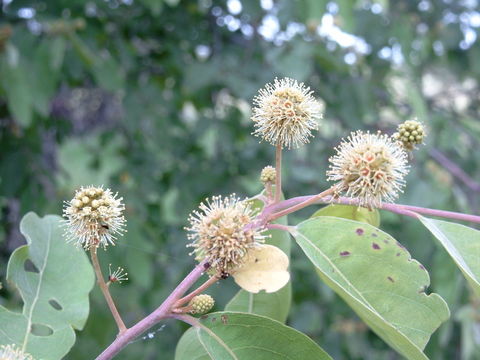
pixel 41 330
pixel 30 266
pixel 55 304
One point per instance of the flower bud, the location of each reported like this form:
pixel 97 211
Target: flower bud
pixel 201 304
pixel 268 174
pixel 409 134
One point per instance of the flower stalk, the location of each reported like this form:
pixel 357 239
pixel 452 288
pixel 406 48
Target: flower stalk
pixel 106 293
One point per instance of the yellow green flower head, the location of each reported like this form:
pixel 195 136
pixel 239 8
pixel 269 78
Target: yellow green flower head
pixel 369 167
pixel 268 174
pixel 12 352
pixel 285 113
pixel 219 232
pixel 410 133
pixel 201 304
pixel 94 217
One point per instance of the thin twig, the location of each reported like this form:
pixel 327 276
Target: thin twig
pixel 454 170
pixel 212 280
pixel 162 312
pixel 106 293
pixel 278 173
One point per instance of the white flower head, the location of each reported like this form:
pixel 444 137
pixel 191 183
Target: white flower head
pixel 286 113
pixel 94 217
pixel 219 232
pixel 12 352
pixel 369 167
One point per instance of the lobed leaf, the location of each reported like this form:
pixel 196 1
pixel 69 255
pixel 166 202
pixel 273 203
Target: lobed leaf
pixel 377 278
pixel 462 244
pixel 54 279
pixel 238 336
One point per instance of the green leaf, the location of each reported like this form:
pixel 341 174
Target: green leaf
pixel 230 335
pixel 351 212
pixel 378 279
pixel 54 279
pixel 13 79
pixel 462 244
pixel 273 305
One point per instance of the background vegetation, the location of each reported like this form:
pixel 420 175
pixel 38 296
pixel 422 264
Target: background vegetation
pixel 152 98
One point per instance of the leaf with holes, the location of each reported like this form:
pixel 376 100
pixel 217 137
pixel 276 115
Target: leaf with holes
pixel 273 305
pixel 239 336
pixel 377 278
pixel 54 279
pixel 462 244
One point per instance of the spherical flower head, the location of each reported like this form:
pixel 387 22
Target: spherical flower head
pixel 219 232
pixel 410 133
pixel 268 175
pixel 201 304
pixel 286 113
pixel 94 217
pixel 11 352
pixel 369 167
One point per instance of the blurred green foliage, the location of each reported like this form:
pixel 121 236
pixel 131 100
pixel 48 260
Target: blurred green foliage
pixel 152 98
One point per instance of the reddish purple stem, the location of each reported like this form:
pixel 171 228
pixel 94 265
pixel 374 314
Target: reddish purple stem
pixel 160 313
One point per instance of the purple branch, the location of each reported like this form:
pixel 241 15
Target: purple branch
pixel 454 169
pixel 395 208
pixel 160 313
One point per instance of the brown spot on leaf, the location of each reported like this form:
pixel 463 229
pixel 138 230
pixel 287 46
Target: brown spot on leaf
pixel 214 319
pixel 224 319
pixel 203 317
pixel 359 231
pixel 398 254
pixel 390 278
pixel 375 246
pixel 374 235
pixel 386 241
pixel 345 253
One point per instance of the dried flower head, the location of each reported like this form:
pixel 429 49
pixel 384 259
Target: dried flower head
pixel 201 304
pixel 219 232
pixel 12 352
pixel 118 275
pixel 369 167
pixel 268 174
pixel 285 113
pixel 94 217
pixel 410 133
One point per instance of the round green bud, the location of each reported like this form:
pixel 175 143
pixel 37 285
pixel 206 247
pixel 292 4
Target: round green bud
pixel 201 304
pixel 409 134
pixel 268 174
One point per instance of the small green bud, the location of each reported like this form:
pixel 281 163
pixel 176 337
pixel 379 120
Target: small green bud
pixel 201 304
pixel 268 174
pixel 409 134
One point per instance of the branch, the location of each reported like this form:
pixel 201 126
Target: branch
pixel 162 312
pixel 454 170
pixel 106 293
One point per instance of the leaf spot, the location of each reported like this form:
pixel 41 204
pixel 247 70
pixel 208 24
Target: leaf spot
pixel 398 254
pixel 29 266
pixel 41 330
pixel 375 246
pixel 390 278
pixel 345 253
pixel 359 231
pixel 224 319
pixel 55 304
pixel 374 235
pixel 203 317
pixel 386 241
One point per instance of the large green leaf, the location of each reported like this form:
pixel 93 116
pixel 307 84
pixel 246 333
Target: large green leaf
pixel 351 212
pixel 54 279
pixel 463 245
pixel 378 279
pixel 273 305
pixel 231 335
